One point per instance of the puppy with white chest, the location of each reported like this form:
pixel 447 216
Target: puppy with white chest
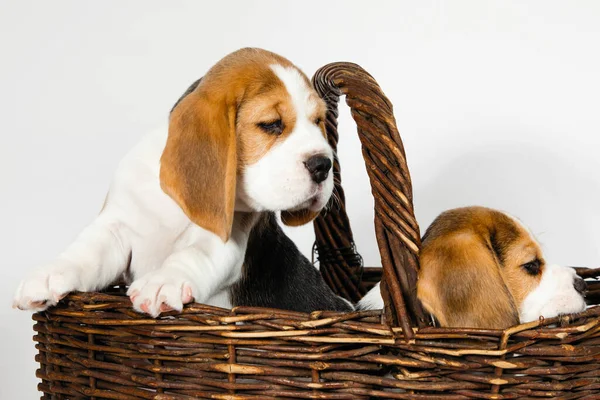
pixel 481 268
pixel 246 140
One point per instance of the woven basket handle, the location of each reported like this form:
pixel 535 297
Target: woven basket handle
pixel 396 228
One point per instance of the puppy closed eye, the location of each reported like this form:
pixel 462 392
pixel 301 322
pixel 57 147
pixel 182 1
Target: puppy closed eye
pixel 318 121
pixel 272 127
pixel 533 267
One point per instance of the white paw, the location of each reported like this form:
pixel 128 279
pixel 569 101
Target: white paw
pixel 45 287
pixel 161 291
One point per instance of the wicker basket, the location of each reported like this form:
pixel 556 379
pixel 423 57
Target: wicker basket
pixel 93 345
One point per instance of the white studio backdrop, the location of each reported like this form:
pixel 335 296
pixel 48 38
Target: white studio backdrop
pixel 498 104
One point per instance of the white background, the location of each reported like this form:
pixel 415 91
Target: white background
pixel 498 104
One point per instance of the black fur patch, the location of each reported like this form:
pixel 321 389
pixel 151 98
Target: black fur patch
pixel 189 90
pixel 502 235
pixel 277 275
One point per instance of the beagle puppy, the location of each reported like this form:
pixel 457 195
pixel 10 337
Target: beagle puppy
pixel 482 268
pixel 245 141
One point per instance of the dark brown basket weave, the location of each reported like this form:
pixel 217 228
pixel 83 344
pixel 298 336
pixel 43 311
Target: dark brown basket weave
pixel 93 345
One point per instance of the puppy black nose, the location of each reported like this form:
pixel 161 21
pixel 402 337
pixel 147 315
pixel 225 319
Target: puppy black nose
pixel 318 167
pixel 580 285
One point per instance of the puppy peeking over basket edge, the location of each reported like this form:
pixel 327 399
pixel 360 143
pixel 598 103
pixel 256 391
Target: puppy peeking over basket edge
pixel 189 214
pixel 482 268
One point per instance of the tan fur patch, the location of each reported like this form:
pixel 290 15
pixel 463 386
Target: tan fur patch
pixel 519 282
pixel 298 218
pixel 275 104
pixel 253 142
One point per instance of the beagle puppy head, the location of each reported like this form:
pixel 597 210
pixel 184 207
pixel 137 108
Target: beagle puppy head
pixel 482 268
pixel 249 136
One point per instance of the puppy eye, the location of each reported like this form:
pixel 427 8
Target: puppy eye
pixel 533 267
pixel 318 121
pixel 273 127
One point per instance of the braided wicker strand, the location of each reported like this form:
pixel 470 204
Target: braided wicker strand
pixel 395 224
pixel 340 264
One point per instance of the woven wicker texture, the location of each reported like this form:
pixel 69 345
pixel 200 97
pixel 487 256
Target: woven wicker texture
pixel 93 345
pixel 395 224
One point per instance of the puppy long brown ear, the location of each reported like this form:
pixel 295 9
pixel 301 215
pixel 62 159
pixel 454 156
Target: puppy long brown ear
pixel 297 218
pixel 461 285
pixel 199 162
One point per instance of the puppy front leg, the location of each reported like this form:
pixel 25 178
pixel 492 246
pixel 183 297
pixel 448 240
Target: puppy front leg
pixel 95 259
pixel 195 272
